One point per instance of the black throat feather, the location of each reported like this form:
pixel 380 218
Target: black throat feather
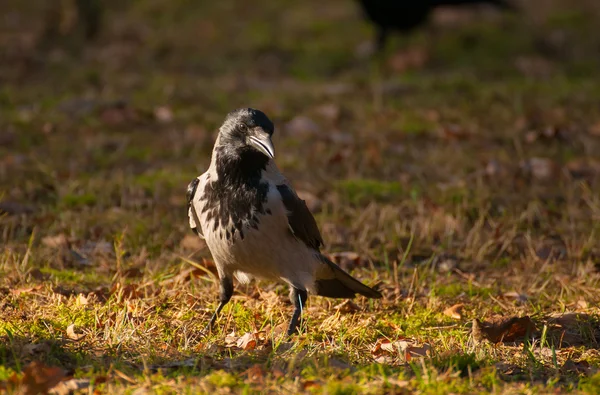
pixel 235 200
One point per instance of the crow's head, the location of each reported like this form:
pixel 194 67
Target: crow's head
pixel 247 130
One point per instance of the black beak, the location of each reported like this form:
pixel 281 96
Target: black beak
pixel 263 143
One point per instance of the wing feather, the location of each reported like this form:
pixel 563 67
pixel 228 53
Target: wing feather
pixel 301 222
pixel 192 212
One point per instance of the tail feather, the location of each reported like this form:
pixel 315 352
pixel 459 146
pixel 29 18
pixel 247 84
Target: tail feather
pixel 334 282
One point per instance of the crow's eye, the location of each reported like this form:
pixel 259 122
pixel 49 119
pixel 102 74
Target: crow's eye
pixel 242 127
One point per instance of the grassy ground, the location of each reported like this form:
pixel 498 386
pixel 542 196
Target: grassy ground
pixel 462 175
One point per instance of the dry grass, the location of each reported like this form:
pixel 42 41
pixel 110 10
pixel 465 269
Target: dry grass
pixel 469 177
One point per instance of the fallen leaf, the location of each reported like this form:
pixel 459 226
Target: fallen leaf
pixel 277 372
pixel 82 300
pixel 70 386
pixel 311 384
pixel 506 330
pixel 404 348
pixel 256 374
pixel 39 378
pixel 573 329
pixel 231 339
pixel 455 311
pixel 72 335
pixel 26 290
pixel 247 341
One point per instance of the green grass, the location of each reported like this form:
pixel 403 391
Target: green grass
pixel 426 172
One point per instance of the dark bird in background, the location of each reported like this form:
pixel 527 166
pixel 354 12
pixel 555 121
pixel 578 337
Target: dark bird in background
pixel 254 223
pixel 403 16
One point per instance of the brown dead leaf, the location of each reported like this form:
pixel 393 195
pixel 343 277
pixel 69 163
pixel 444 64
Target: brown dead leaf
pixel 311 384
pixel 72 335
pixel 247 342
pixel 26 290
pixel 406 349
pixel 573 329
pixel 70 386
pixel 455 311
pixel 231 339
pixel 256 374
pixel 503 330
pixel 82 300
pixel 39 378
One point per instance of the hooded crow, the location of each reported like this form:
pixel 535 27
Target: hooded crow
pixel 406 15
pixel 254 223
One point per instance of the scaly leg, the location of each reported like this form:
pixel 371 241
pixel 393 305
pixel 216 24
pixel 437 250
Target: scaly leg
pixel 298 298
pixel 225 293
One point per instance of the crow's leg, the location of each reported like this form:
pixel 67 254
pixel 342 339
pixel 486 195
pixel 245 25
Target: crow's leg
pixel 298 298
pixel 225 293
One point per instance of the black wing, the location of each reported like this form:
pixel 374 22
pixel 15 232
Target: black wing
pixel 191 192
pixel 301 221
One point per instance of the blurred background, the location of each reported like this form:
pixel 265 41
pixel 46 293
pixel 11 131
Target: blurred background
pixel 109 108
pixel 456 161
